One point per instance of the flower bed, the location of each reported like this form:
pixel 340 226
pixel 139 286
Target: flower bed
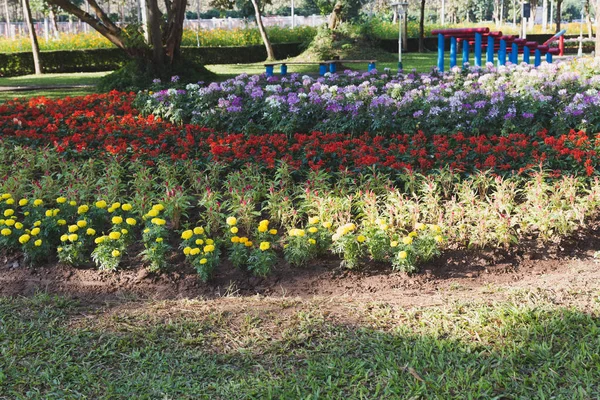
pixel 521 99
pixel 101 125
pixel 90 179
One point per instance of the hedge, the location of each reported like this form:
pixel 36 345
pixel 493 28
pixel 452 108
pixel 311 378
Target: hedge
pixel 91 60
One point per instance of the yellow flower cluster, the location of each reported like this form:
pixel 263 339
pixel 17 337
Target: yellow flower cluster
pixel 297 232
pixel 263 226
pixel 343 230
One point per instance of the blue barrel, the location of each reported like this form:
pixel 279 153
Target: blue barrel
pixel 283 69
pixel 478 39
pixel 502 53
pixel 440 59
pixel 465 49
pixel 490 50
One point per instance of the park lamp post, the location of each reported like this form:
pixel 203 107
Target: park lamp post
pixel 400 10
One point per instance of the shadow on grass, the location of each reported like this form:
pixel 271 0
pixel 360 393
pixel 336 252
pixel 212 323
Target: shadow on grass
pixel 512 350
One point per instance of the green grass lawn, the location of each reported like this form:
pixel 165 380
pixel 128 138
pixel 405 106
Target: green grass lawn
pixel 253 348
pixel 420 62
pixel 83 78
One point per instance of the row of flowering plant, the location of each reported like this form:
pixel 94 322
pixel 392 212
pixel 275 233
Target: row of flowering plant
pixel 103 233
pixel 513 98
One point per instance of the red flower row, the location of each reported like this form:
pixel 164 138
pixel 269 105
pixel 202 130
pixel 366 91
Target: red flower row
pixel 99 125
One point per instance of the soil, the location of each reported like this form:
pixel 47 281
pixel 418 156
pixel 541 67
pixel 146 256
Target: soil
pixel 459 275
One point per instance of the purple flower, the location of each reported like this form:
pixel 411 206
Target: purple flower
pixel 527 115
pixel 175 79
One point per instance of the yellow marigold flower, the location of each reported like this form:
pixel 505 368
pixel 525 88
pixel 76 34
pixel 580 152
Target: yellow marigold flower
pixel 187 234
pixel 210 241
pixel 114 235
pixel 26 213
pixel 116 205
pixel 243 239
pixel 23 202
pixel 100 239
pixel 131 221
pixel 313 229
pixel 361 238
pixel 231 221
pixel 59 249
pixel 407 240
pixel 82 223
pixel 82 209
pixel 159 240
pixel 208 248
pixel 61 222
pixel 187 250
pixel 264 222
pixel 439 238
pixel 116 253
pixel 263 228
pixel 199 242
pixel 24 238
pixel 73 237
pixel 126 207
pixel 117 220
pixel 101 204
pixel 146 230
pixel 37 223
pixel 5 232
pixel 64 238
pixel 110 209
pixel 300 232
pixel 38 243
pixel 234 230
pixel 419 226
pixel 413 234
pixel 61 200
pixel 436 228
pixel 73 228
pixel 48 213
pixel 312 241
pixel 235 239
pixel 195 251
pixel 273 231
pixel 248 244
pixel 203 261
pixel 90 232
pixel 2 221
pixel 313 220
pixel 158 221
pixel 73 203
pixel 10 202
pixel 403 254
pixel 6 196
pixel 35 231
pixel 265 246
pixel 18 225
pixel 158 207
pixel 9 222
pixel 8 212
pixel 38 202
pixel 124 231
pixel 198 230
pixel 152 213
pixel 394 243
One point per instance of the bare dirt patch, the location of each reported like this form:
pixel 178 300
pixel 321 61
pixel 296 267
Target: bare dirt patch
pixel 568 267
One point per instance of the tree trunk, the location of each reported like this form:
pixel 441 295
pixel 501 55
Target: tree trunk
pixel 175 19
pixel 597 47
pixel 8 31
pixel 154 21
pixel 544 15
pixel 37 63
pixel 588 18
pixel 422 28
pixel 263 32
pixel 54 23
pixel 558 14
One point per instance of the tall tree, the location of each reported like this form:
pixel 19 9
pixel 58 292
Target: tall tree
pixel 558 14
pixel 422 28
pixel 262 30
pixel 37 62
pixel 165 29
pixel 7 16
pixel 597 47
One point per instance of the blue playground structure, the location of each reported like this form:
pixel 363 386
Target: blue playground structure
pixel 495 46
